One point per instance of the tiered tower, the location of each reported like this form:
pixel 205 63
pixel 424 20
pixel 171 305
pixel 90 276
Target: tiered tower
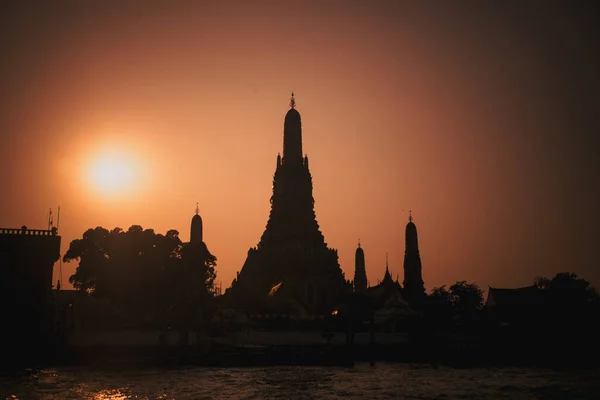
pixel 292 249
pixel 414 289
pixel 360 271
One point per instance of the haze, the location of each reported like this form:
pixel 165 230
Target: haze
pixel 481 118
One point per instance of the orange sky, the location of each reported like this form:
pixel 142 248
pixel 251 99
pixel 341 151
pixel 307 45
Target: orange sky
pixel 481 119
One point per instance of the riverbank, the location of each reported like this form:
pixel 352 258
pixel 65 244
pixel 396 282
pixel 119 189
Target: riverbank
pixel 226 355
pixel 287 348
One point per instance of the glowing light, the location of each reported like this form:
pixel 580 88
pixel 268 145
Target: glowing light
pixel 110 394
pixel 113 173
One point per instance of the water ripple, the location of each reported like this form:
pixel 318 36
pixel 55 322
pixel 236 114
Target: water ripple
pixel 384 381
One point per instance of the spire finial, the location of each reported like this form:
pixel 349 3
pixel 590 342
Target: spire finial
pixel 410 216
pixel 293 101
pixel 197 209
pixel 358 242
pixel 386 264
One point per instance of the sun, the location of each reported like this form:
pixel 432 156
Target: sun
pixel 112 173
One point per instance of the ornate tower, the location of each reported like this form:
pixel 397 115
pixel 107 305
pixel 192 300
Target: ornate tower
pixel 292 250
pixel 360 272
pixel 196 230
pixel 387 277
pixel 413 280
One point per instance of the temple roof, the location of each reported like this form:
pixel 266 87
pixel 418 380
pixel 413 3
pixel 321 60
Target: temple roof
pixel 528 295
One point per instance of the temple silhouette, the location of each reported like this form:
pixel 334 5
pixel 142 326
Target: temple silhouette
pixel 414 289
pixel 391 303
pixel 292 269
pixel 292 258
pixel 289 304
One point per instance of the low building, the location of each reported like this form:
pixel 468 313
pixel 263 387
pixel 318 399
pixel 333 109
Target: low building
pixel 519 306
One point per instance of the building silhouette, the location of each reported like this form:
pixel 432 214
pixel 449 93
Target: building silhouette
pixel 28 257
pixel 414 289
pixel 292 251
pixel 360 271
pixel 407 298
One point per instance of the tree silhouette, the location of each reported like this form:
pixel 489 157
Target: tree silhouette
pixel 439 306
pixel 141 271
pixel 460 302
pixel 568 298
pixel 567 288
pixel 467 299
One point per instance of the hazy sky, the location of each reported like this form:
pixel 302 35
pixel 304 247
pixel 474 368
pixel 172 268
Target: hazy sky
pixel 481 117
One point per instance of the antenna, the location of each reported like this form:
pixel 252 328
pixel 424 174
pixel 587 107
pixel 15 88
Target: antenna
pixel 60 258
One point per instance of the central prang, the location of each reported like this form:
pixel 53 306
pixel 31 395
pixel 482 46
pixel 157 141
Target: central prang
pixel 292 269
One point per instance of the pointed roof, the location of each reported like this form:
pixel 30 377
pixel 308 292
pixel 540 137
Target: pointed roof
pixel 196 217
pixel 411 224
pixel 196 228
pixel 359 249
pixel 293 114
pixel 387 276
pixel 528 295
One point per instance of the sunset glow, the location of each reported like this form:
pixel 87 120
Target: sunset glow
pixel 112 174
pixel 481 121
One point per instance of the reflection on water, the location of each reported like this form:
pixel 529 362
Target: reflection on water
pixel 384 381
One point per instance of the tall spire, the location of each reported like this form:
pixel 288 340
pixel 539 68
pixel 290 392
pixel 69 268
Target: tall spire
pixel 360 272
pixel 413 279
pixel 292 101
pixel 387 277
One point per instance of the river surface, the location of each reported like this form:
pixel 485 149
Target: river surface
pixel 383 381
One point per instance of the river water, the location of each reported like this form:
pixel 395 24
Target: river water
pixel 383 381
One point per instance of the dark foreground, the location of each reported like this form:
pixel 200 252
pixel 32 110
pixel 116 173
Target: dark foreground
pixel 453 351
pixel 382 381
